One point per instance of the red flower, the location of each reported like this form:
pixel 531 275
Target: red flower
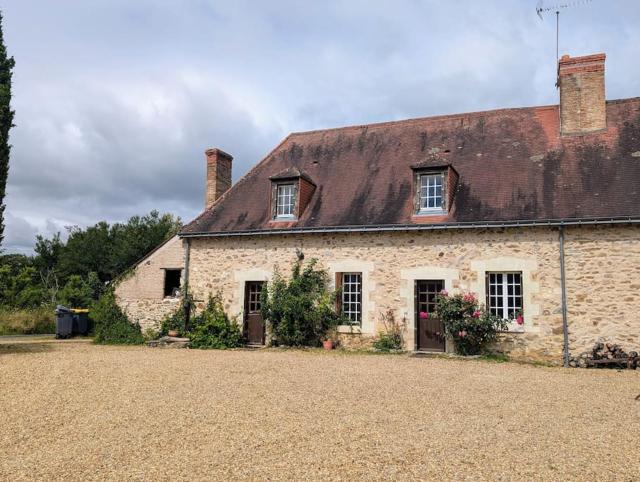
pixel 470 297
pixel 520 320
pixel 476 314
pixel 424 315
pixel 462 334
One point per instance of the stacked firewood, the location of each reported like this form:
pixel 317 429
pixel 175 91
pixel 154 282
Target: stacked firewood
pixel 606 355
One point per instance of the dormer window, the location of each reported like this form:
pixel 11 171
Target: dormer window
pixel 431 197
pixel 285 200
pixel 291 191
pixel 434 188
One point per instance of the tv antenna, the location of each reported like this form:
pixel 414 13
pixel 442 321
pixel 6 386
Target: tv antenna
pixel 540 9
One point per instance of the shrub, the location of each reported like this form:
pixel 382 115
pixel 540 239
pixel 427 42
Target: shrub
pixel 213 329
pixel 470 324
pixel 392 336
pixel 176 321
pixel 150 334
pixel 301 309
pixel 111 325
pixel 28 321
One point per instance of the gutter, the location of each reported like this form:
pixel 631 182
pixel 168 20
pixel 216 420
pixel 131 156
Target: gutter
pixel 419 227
pixel 563 286
pixel 185 291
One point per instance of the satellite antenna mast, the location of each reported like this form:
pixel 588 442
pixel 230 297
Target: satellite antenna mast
pixel 540 9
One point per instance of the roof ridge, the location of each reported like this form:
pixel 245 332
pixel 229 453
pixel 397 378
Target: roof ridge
pixel 435 117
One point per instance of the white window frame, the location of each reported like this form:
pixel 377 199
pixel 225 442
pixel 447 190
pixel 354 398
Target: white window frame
pixel 429 191
pixel 285 200
pixel 351 297
pixel 510 302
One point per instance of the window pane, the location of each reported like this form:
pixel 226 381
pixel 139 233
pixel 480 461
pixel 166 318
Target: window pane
pixel 431 191
pixel 505 294
pixel 352 296
pixel 285 200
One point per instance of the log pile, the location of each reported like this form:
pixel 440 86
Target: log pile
pixel 606 355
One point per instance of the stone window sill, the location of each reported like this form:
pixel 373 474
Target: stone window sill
pixel 355 329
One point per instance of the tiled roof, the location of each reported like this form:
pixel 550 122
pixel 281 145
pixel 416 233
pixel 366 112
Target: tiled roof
pixel 512 166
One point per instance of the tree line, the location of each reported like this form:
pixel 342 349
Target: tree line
pixel 76 271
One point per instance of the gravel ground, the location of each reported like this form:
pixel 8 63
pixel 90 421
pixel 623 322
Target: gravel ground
pixel 76 411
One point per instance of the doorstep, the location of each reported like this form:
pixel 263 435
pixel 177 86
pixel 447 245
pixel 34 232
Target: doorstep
pixel 428 353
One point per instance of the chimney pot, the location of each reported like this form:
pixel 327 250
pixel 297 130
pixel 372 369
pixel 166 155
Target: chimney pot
pixel 218 174
pixel 582 95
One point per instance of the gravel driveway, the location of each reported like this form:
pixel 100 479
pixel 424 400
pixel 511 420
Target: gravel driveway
pixel 79 412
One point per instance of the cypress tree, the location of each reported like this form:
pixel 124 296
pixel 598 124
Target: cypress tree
pixel 6 122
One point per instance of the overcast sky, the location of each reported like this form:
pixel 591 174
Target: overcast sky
pixel 116 100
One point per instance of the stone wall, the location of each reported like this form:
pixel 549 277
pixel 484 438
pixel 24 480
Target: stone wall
pixel 603 281
pixel 602 266
pixel 390 263
pixel 141 293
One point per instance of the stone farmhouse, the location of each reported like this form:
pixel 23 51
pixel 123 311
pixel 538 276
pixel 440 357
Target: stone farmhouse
pixel 536 210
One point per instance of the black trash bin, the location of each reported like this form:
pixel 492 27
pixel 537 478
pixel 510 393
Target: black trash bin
pixel 64 322
pixel 80 321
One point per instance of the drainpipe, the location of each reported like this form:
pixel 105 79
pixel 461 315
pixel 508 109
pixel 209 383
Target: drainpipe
pixel 185 291
pixel 563 286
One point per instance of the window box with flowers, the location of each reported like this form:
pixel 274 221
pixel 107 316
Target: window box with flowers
pixel 468 323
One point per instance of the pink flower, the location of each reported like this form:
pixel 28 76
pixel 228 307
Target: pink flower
pixel 469 297
pixel 424 315
pixel 462 334
pixel 476 314
pixel 520 320
pixel 444 293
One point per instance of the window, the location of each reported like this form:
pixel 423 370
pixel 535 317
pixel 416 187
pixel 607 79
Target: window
pixel 285 201
pixel 172 282
pixel 504 294
pixel 351 296
pixel 430 192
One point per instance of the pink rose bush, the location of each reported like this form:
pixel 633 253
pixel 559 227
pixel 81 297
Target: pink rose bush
pixel 471 326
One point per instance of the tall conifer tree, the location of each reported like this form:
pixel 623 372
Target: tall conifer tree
pixel 6 122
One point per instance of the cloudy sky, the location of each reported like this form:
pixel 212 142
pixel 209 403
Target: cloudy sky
pixel 116 100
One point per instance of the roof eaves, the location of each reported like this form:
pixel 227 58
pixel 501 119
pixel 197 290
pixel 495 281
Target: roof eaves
pixel 423 227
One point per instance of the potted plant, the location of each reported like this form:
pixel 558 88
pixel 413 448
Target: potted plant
pixel 330 339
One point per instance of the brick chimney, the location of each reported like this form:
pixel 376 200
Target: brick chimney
pixel 582 99
pixel 218 175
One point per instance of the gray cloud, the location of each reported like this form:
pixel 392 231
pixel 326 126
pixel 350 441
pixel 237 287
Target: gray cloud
pixel 116 100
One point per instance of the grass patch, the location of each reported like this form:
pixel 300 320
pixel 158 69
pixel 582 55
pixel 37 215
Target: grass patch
pixel 495 357
pixel 34 321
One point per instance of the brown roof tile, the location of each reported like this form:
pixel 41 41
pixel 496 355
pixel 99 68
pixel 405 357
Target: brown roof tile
pixel 512 165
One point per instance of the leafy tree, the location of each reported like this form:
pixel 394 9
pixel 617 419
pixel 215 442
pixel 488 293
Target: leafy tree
pixel 19 285
pixel 79 292
pixel 6 122
pixel 88 250
pixel 74 273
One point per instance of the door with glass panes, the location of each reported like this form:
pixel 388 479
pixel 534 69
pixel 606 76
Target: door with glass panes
pixel 429 328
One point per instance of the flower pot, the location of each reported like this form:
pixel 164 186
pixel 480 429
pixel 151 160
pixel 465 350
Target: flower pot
pixel 327 344
pixel 173 333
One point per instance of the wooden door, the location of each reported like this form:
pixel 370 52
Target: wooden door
pixel 253 322
pixel 429 329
